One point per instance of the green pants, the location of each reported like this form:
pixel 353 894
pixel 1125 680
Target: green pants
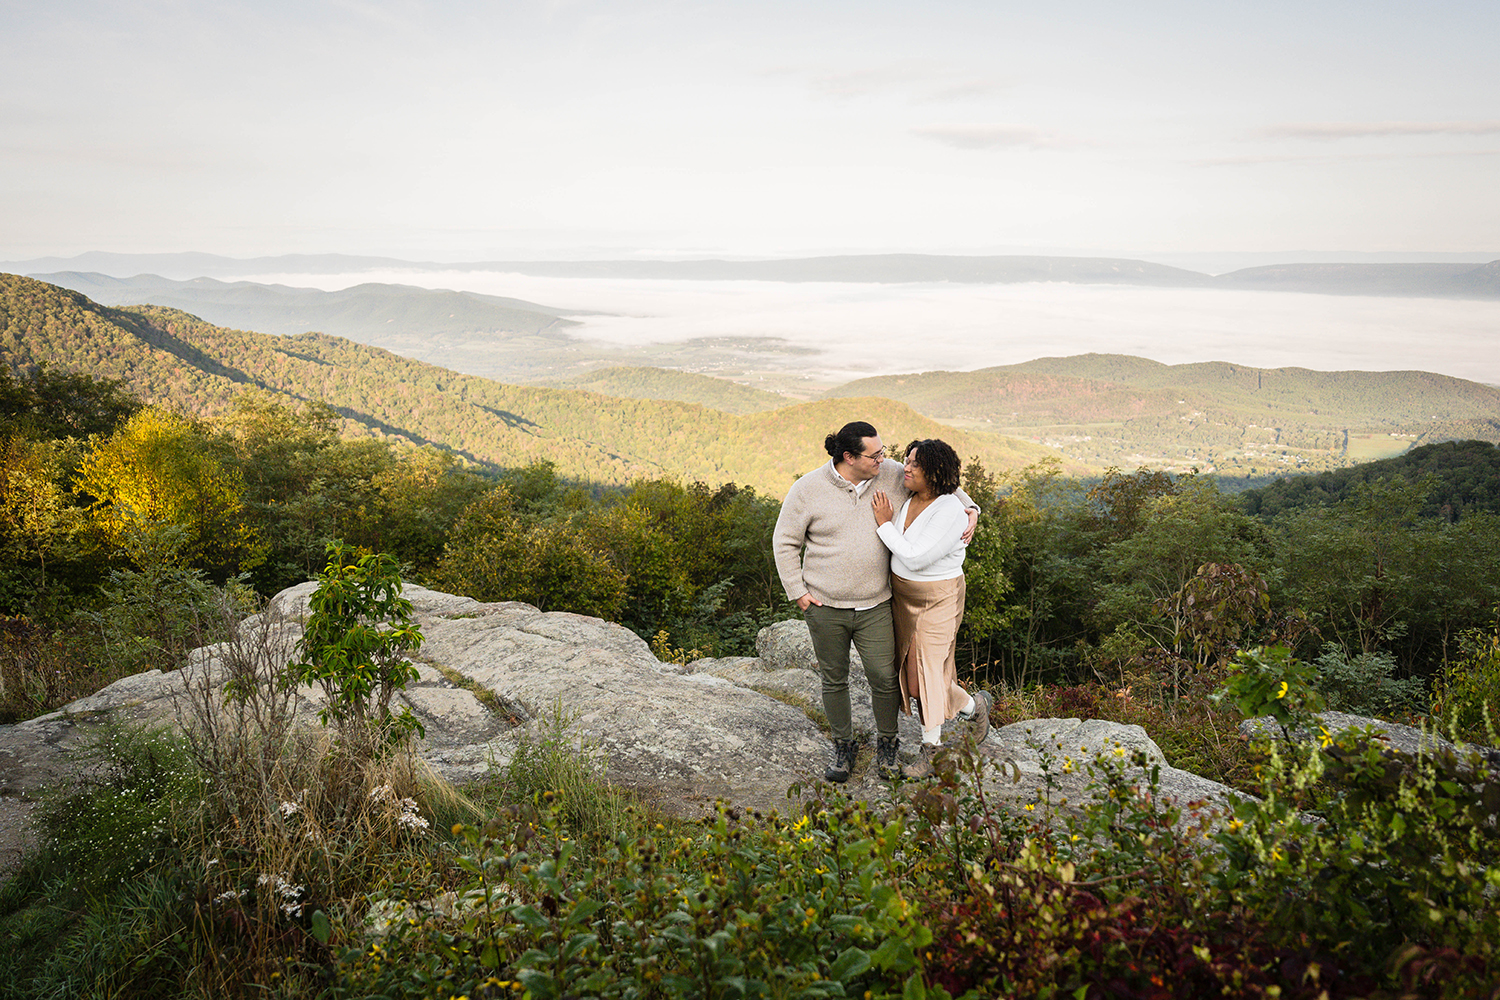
pixel 870 631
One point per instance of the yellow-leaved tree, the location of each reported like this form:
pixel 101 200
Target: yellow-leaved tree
pixel 160 468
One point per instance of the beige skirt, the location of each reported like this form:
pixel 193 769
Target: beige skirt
pixel 927 614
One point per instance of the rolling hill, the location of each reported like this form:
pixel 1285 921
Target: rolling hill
pixel 1105 409
pixel 172 358
pixel 1430 280
pixel 685 387
pixel 510 336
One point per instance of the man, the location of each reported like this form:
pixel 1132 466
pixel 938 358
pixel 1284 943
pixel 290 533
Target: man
pixel 838 571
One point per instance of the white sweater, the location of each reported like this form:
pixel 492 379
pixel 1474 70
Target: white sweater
pixel 931 549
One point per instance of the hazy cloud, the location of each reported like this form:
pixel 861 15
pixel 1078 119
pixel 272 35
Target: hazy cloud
pixel 1359 130
pixel 975 136
pixel 862 82
pixel 966 327
pixel 1242 161
pixel 961 90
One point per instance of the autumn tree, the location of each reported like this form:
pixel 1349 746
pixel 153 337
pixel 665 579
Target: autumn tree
pixel 158 469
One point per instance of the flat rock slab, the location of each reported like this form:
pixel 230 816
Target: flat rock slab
pixel 682 736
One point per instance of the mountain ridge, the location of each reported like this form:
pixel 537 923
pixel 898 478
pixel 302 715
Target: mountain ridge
pixel 172 358
pixel 1420 279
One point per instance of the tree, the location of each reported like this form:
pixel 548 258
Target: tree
pixel 1350 565
pixel 34 508
pixel 495 554
pixel 158 468
pixel 986 582
pixel 48 404
pixel 1175 534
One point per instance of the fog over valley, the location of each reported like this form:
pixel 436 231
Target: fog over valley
pixel 824 333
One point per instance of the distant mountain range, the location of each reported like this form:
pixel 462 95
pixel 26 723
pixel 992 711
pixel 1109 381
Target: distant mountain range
pixel 516 339
pixel 1449 280
pixel 170 357
pixel 1096 410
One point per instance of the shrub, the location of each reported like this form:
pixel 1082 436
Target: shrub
pixel 1469 696
pixel 1362 684
pixel 354 644
pixel 558 904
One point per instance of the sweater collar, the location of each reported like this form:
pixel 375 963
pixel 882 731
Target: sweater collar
pixel 841 482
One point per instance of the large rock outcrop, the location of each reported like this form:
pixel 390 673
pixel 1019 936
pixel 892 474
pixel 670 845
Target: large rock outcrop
pixel 681 735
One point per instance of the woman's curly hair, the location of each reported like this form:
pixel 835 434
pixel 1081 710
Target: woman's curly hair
pixel 939 464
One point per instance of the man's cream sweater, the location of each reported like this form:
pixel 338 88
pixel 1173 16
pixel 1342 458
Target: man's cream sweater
pixel 825 542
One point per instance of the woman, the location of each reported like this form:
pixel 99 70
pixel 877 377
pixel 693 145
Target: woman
pixel 927 582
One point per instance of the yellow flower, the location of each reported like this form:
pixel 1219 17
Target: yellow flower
pixel 1283 691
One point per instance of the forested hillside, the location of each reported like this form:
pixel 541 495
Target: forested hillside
pixel 1236 420
pixel 686 387
pixel 1465 478
pixel 171 358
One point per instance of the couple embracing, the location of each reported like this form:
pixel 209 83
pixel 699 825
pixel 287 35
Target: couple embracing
pixel 852 534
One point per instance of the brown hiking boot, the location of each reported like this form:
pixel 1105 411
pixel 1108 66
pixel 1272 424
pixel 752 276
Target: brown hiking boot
pixel 979 719
pixel 922 766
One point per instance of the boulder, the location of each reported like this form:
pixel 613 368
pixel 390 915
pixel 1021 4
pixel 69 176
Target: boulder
pixel 743 729
pixel 1399 741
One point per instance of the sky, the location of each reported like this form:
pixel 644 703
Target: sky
pixel 458 131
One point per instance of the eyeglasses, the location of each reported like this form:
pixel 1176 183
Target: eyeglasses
pixel 879 456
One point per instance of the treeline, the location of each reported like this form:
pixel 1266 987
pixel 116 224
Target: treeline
pixel 1153 574
pixel 1465 478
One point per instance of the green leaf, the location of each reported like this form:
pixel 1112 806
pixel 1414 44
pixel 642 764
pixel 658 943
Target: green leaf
pixel 851 962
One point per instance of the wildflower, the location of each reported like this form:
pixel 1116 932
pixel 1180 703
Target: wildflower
pixel 290 808
pixel 1284 689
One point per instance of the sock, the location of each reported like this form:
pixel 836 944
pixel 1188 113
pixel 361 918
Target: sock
pixel 968 710
pixel 933 736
